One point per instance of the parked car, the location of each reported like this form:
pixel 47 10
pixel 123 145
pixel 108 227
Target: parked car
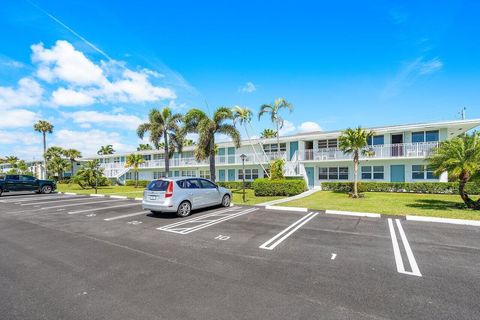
pixel 182 195
pixel 22 182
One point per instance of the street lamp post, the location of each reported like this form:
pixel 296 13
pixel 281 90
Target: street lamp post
pixel 243 157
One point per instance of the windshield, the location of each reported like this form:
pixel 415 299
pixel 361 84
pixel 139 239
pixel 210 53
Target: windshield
pixel 158 185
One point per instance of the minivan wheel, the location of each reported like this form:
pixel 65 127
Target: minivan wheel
pixel 226 201
pixel 46 189
pixel 184 209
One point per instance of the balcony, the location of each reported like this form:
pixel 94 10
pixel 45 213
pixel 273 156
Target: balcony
pixel 385 151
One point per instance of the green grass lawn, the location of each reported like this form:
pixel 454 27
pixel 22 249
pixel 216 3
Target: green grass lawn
pixel 133 192
pixel 435 205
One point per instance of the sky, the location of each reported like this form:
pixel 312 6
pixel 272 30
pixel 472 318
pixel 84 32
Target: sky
pixel 94 69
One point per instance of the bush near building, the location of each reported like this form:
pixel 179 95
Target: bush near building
pixel 140 183
pixel 282 187
pixel 233 185
pixel 413 187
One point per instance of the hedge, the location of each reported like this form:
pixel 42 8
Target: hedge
pixel 414 187
pixel 283 187
pixel 141 183
pixel 235 184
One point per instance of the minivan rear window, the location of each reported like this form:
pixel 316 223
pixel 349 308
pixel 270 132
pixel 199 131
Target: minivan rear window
pixel 158 185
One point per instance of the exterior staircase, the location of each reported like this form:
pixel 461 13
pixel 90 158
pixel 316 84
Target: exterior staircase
pixel 293 168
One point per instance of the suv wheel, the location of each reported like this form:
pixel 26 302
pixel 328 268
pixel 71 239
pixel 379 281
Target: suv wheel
pixel 1 191
pixel 184 209
pixel 46 189
pixel 226 201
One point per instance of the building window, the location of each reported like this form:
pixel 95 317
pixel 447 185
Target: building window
pixel 189 173
pixel 273 147
pixel 250 174
pixel 333 173
pixel 159 174
pixel 372 172
pixel 376 140
pixel 116 160
pixel 422 172
pixel 330 143
pixel 159 156
pixel 205 174
pixel 425 136
pixel 128 176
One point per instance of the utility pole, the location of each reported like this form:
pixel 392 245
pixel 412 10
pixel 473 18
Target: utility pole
pixel 463 113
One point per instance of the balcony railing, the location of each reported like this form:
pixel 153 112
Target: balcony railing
pixel 260 157
pixel 400 150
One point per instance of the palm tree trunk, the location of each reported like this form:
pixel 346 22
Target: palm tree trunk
pixel 44 152
pixel 278 140
pixel 167 156
pixel 136 177
pixel 355 175
pixel 466 199
pixel 71 164
pixel 212 160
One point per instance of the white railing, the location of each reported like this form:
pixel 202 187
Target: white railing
pixel 400 150
pixel 114 168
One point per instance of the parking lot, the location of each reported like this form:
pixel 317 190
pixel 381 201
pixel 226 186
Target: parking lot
pixel 82 257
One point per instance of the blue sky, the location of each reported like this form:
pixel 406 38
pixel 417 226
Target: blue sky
pixel 95 68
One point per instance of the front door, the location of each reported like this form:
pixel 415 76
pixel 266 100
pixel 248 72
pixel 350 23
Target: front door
pixel 231 155
pixel 397 173
pixel 397 145
pixel 293 148
pixel 231 174
pixel 310 175
pixel 221 175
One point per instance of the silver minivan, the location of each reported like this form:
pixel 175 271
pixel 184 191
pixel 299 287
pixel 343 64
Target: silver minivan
pixel 182 195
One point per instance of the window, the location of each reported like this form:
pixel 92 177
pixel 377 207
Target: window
pixel 425 136
pixel 333 173
pixel 159 156
pixel 158 185
pixel 147 157
pixel 28 178
pixel 193 184
pixel 159 174
pixel 128 176
pixel 13 177
pixel 205 174
pixel 376 140
pixel 250 174
pixel 189 173
pixel 330 143
pixel 116 160
pixel 273 147
pixel 421 172
pixel 372 172
pixel 207 184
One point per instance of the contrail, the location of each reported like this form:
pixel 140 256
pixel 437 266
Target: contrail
pixel 71 30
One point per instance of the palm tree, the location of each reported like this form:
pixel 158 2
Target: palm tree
pixel 144 147
pixel 198 121
pixel 89 174
pixel 163 125
pixel 460 157
pixel 354 142
pixel 134 161
pixel 72 155
pixel 268 133
pixel 58 166
pixel 104 150
pixel 44 127
pixel 274 111
pixel 188 143
pixel 244 117
pixel 11 159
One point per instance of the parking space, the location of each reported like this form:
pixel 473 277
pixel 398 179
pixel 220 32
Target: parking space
pixel 311 253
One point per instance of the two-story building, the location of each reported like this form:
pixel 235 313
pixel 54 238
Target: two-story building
pixel 398 155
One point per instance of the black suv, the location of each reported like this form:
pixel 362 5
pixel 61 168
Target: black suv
pixel 21 182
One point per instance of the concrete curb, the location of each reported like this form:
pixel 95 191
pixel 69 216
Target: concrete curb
pixel 118 197
pixel 286 208
pixel 97 195
pixel 354 214
pixel 138 199
pixel 287 199
pixel 475 223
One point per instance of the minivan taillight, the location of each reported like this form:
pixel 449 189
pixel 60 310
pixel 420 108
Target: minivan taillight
pixel 169 192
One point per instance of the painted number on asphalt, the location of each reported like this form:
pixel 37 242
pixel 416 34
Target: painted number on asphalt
pixel 223 238
pixel 91 215
pixel 134 222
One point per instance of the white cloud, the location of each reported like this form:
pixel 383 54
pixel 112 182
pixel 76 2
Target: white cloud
pixel 69 98
pixel 27 93
pixel 249 87
pixel 107 119
pixel 29 152
pixel 89 142
pixel 309 126
pixel 287 128
pixel 15 137
pixel 430 66
pixel 17 118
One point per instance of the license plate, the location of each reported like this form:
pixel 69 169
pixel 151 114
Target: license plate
pixel 153 197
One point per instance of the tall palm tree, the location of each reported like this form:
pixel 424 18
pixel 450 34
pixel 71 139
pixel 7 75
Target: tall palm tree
pixel 72 155
pixel 144 147
pixel 57 166
pixel 199 122
pixel 134 161
pixel 44 127
pixel 268 133
pixel 11 159
pixel 163 125
pixel 104 150
pixel 459 156
pixel 354 142
pixel 274 111
pixel 243 115
pixel 188 143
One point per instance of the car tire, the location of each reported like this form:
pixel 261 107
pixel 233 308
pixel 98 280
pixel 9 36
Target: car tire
pixel 46 189
pixel 226 200
pixel 1 191
pixel 184 209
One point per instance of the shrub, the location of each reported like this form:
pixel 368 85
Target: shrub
pixel 283 187
pixel 235 184
pixel 414 187
pixel 141 183
pixel 276 169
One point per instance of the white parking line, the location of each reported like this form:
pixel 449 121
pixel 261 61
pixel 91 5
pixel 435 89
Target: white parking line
pixel 55 201
pixel 284 234
pixel 79 204
pixel 396 250
pixel 126 216
pixel 105 208
pixel 201 223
